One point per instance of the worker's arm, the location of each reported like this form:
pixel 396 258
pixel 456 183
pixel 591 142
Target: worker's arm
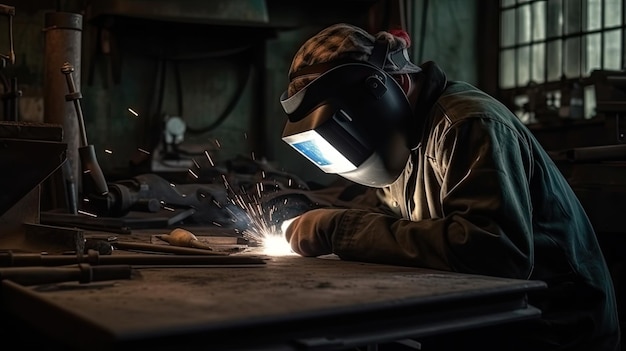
pixel 485 225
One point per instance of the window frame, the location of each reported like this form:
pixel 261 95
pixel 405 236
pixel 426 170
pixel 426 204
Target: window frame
pixel 509 95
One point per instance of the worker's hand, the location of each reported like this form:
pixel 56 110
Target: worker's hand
pixel 310 234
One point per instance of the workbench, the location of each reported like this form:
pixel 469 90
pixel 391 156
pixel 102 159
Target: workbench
pixel 284 303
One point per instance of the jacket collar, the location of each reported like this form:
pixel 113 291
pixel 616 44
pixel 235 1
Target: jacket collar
pixel 431 83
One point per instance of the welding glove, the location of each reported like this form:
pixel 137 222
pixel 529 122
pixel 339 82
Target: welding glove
pixel 310 234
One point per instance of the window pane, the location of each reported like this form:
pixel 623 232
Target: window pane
pixel 555 18
pixel 539 21
pixel 523 24
pixel 554 60
pixel 594 51
pixel 594 14
pixel 538 64
pixel 507 28
pixel 523 66
pixel 572 57
pixel 573 18
pixel 612 51
pixel 507 69
pixel 612 13
pixel 508 3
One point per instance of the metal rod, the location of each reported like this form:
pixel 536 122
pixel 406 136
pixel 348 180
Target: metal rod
pixel 9 259
pixel 75 96
pixel 83 273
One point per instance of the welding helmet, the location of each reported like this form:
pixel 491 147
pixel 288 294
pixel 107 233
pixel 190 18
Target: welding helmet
pixel 352 120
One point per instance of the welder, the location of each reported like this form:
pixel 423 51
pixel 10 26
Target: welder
pixel 463 186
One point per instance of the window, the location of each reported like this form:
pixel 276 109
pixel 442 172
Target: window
pixel 548 50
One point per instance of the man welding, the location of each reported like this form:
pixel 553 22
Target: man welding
pixel 463 186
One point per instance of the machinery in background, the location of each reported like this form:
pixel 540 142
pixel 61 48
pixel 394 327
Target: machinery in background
pixel 11 93
pixel 169 154
pixel 29 154
pixel 226 197
pixel 592 156
pixel 598 172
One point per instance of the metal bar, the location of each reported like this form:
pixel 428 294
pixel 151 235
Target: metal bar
pixel 10 259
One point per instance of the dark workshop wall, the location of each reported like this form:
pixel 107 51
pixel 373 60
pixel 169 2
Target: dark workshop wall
pixel 210 82
pixel 449 39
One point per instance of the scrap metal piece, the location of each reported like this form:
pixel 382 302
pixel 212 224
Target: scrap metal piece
pixel 25 164
pixel 40 237
pixel 10 259
pixel 83 273
pixel 146 247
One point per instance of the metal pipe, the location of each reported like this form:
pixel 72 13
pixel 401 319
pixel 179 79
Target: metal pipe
pixel 62 43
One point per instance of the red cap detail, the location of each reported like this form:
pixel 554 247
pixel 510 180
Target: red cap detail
pixel 402 34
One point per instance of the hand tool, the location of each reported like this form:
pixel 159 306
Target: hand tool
pixel 183 238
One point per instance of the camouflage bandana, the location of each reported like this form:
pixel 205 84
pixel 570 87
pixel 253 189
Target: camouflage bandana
pixel 347 42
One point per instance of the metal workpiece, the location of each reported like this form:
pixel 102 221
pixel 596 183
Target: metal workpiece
pixel 25 164
pixel 290 303
pixel 11 259
pixel 82 273
pixel 62 43
pixel 29 154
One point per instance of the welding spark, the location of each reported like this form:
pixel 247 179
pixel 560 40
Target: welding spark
pixel 108 151
pixel 144 151
pixel 259 229
pixel 87 213
pixel 209 158
pixel 217 142
pixel 133 112
pixel 276 245
pixel 193 174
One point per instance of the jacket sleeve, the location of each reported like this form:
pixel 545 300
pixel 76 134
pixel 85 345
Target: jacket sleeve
pixel 483 169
